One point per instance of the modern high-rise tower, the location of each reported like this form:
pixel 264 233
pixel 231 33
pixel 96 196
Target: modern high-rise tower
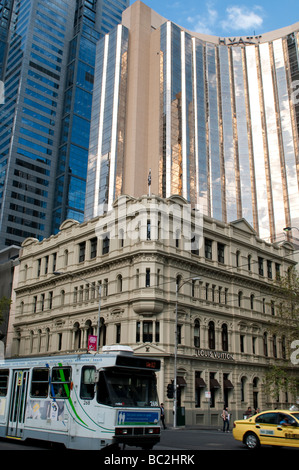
pixel 48 74
pixel 214 119
pixel 5 18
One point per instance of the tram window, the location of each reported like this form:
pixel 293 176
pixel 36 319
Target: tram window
pixel 103 393
pixel 4 374
pixel 87 383
pixel 39 383
pixel 61 382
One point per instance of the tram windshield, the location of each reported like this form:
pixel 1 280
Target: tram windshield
pixel 118 387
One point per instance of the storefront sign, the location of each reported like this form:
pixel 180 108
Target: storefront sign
pixel 210 354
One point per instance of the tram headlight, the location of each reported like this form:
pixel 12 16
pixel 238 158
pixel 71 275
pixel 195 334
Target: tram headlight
pixel 122 431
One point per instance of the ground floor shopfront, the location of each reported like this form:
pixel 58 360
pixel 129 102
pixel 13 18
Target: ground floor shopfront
pixel 213 380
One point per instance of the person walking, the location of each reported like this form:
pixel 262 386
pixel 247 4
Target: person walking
pixel 225 417
pixel 162 415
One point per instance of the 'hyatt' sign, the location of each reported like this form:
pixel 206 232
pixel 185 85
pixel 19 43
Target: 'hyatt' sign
pixel 240 41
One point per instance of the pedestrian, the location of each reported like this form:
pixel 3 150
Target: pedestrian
pixel 162 415
pixel 225 417
pixel 248 413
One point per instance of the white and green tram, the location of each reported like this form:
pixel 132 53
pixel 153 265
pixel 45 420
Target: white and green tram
pixel 84 401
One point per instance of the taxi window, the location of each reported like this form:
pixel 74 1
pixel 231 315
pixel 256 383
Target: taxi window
pixel 267 418
pixel 286 419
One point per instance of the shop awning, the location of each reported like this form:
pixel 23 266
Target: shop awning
pixel 181 381
pixel 200 383
pixel 227 384
pixel 214 383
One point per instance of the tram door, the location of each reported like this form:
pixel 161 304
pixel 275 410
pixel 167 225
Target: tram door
pixel 18 403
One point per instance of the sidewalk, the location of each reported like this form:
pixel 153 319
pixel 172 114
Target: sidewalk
pixel 186 427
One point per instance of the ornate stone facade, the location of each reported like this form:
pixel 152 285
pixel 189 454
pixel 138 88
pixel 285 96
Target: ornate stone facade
pixel 133 267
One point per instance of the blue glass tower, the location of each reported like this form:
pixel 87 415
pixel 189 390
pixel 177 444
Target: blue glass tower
pixel 93 19
pixel 5 17
pixel 47 53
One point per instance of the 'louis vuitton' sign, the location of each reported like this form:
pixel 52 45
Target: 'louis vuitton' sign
pixel 210 354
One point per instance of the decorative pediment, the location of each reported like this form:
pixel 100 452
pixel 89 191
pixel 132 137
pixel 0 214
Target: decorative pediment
pixel 242 224
pixel 29 241
pixel 149 349
pixel 68 223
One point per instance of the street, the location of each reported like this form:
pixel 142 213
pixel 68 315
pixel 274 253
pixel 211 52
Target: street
pixel 171 440
pixel 197 439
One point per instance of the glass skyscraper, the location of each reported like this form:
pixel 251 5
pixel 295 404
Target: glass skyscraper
pixel 48 70
pixel 216 120
pixel 5 17
pixel 93 19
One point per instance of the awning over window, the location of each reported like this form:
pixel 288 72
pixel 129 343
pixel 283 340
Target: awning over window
pixel 227 384
pixel 200 383
pixel 181 381
pixel 214 383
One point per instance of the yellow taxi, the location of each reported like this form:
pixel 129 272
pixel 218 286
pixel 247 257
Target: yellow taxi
pixel 274 427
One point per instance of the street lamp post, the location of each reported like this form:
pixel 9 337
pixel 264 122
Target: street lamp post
pixel 99 318
pixel 58 273
pixel 176 348
pixel 288 229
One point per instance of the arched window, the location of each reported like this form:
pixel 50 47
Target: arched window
pixel 197 333
pixel 66 257
pixel 39 340
pixel 47 339
pixel 77 336
pixel 31 341
pixel 265 344
pixel 274 346
pixel 62 298
pixel 243 383
pixel 119 283
pixel 249 262
pixel 178 280
pixel 211 333
pixel 89 331
pixel 240 298
pixel 224 337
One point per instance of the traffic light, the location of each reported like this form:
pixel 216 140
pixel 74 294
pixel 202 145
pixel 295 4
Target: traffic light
pixel 170 390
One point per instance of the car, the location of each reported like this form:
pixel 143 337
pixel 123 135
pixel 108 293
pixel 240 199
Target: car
pixel 272 427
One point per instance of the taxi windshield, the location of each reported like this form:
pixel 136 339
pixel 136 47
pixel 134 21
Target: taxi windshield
pixel 296 415
pixel 117 387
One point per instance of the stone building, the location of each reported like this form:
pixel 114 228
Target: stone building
pixel 135 268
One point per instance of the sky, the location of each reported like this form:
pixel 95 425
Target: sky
pixel 226 18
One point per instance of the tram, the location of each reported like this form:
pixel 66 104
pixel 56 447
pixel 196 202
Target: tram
pixel 84 401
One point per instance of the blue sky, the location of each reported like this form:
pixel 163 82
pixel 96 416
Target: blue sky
pixel 227 18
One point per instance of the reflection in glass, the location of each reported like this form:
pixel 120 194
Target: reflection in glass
pixel 214 153
pixel 291 182
pixel 228 137
pixel 272 140
pixel 257 144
